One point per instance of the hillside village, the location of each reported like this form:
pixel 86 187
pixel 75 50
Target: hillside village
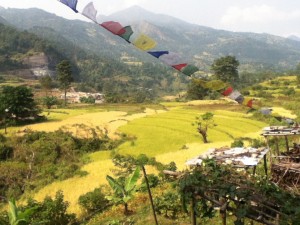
pixel 75 97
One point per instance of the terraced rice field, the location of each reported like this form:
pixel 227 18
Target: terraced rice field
pixel 167 135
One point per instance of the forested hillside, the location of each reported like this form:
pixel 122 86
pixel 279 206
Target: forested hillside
pixel 99 72
pixel 198 44
pixel 106 63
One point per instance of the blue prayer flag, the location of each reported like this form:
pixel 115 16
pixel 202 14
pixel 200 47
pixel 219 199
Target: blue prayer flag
pixel 158 54
pixel 71 3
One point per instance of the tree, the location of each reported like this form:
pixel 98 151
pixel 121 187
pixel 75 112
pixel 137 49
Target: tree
pixel 196 90
pixel 226 69
pixel 64 76
pixel 50 101
pixel 17 102
pixel 123 193
pixel 46 83
pixel 204 122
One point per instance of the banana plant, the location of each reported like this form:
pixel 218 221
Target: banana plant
pixel 17 217
pixel 123 193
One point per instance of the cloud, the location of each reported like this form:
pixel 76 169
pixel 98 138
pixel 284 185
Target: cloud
pixel 261 18
pixel 129 3
pixel 116 5
pixel 259 14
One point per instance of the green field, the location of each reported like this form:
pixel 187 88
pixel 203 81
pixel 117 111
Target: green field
pixel 167 135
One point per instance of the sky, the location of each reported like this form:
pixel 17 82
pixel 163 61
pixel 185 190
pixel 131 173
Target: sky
pixel 278 17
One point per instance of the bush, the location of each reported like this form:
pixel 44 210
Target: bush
pixel 257 87
pixel 237 143
pixel 245 92
pixel 94 201
pixel 88 100
pixel 256 143
pixel 289 91
pixel 2 138
pixel 5 152
pixel 52 211
pixel 13 178
pixel 168 204
pixel 153 181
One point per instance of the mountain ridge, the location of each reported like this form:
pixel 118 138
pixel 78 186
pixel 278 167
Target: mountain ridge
pixel 198 44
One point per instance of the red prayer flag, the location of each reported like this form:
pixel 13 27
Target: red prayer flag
pixel 114 27
pixel 250 103
pixel 180 66
pixel 228 91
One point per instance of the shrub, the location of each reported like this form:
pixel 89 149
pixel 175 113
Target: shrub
pixel 245 92
pixel 5 152
pixel 52 211
pixel 94 201
pixel 289 91
pixel 2 138
pixel 256 143
pixel 257 87
pixel 153 181
pixel 12 179
pixel 237 143
pixel 88 100
pixel 168 204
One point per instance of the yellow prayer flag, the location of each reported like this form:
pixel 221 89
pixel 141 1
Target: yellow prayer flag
pixel 248 101
pixel 144 42
pixel 216 85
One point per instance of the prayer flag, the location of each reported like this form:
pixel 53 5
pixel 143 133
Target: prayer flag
pixel 189 70
pixel 228 91
pixel 144 42
pixel 240 99
pixel 114 27
pixel 70 3
pixel 266 111
pixel 215 85
pixel 128 32
pixel 158 54
pixel 248 102
pixel 90 12
pixel 180 66
pixel 234 95
pixel 171 58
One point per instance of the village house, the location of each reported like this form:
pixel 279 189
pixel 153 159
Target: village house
pixel 74 96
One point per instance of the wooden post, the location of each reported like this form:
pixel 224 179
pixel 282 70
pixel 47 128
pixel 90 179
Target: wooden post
pixel 287 143
pixel 270 150
pixel 277 147
pixel 254 170
pixel 265 165
pixel 150 195
pixel 193 214
pixel 223 210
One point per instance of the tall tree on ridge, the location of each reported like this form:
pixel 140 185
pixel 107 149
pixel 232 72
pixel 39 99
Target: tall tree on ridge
pixel 226 69
pixel 64 76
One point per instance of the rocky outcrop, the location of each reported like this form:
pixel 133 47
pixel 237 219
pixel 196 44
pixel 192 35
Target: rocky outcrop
pixel 36 60
pixel 38 64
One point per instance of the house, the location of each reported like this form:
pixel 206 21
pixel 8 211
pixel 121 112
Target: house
pixel 74 97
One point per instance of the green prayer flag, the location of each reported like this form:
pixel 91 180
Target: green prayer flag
pixel 127 34
pixel 189 70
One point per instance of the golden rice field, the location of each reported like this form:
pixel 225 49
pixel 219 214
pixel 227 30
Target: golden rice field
pixel 71 119
pixel 168 135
